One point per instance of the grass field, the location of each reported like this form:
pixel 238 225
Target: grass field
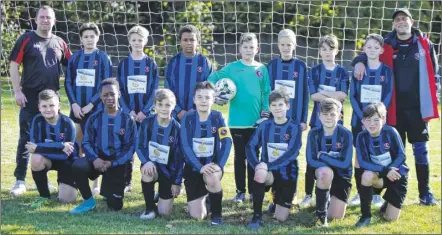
pixel 18 218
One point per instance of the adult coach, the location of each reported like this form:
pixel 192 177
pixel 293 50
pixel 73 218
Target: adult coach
pixel 412 57
pixel 41 54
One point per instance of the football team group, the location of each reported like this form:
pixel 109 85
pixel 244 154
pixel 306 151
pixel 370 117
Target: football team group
pixel 176 134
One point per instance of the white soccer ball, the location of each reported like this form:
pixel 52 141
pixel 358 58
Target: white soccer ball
pixel 225 88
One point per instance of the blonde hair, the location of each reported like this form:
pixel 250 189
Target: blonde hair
pixel 287 33
pixel 140 30
pixel 247 37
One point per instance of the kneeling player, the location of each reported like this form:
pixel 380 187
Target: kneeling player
pixel 206 143
pixel 160 155
pixel 109 144
pixel 381 155
pixel 280 139
pixel 329 151
pixel 52 147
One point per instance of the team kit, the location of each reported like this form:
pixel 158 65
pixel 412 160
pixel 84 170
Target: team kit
pixel 179 138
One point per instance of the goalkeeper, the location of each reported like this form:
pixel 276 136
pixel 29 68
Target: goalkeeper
pixel 249 105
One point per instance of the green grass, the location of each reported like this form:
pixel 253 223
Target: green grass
pixel 18 218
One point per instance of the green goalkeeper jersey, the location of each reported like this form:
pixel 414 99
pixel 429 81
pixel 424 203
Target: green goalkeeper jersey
pixel 252 92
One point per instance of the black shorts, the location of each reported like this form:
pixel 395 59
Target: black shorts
pixel 284 190
pixel 113 182
pixel 340 187
pixel 82 121
pixel 64 171
pixel 396 191
pixel 355 131
pixel 164 186
pixel 411 125
pixel 195 185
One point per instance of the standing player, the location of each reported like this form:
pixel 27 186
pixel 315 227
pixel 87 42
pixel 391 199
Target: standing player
pixel 381 155
pixel 160 156
pixel 249 105
pixel 41 54
pixel 329 151
pixel 412 57
pixel 206 143
pixel 326 80
pixel 376 86
pixel 86 69
pixel 109 144
pixel 280 139
pixel 289 73
pixel 138 78
pixel 52 147
pixel 186 69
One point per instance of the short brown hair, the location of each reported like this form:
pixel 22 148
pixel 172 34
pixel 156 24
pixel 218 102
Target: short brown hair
pixel 204 86
pixel 189 29
pixel 163 93
pixel 109 81
pixel 279 94
pixel 247 37
pixel 378 38
pixel 373 109
pixel 330 40
pixel 47 95
pixel 89 26
pixel 45 7
pixel 329 104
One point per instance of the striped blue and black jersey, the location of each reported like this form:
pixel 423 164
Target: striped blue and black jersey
pixel 335 151
pixel 84 75
pixel 50 139
pixel 377 81
pixel 138 81
pixel 295 80
pixel 111 138
pixel 322 79
pixel 379 154
pixel 205 142
pixel 280 147
pixel 182 75
pixel 160 145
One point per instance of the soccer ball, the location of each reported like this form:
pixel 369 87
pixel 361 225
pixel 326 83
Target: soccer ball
pixel 225 88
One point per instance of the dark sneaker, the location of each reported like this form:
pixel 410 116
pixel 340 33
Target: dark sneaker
pixel 429 200
pixel 240 197
pixel 216 220
pixel 363 222
pixel 256 222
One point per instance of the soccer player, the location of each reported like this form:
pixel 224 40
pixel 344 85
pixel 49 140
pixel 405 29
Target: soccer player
pixel 249 105
pixel 160 156
pixel 381 155
pixel 52 140
pixel 280 139
pixel 86 69
pixel 109 144
pixel 42 54
pixel 326 80
pixel 206 142
pixel 376 86
pixel 329 152
pixel 138 78
pixel 186 69
pixel 412 57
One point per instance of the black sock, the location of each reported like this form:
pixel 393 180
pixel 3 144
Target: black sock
pixel 377 191
pixel 149 193
pixel 358 177
pixel 423 176
pixel 41 180
pixel 258 197
pixel 309 180
pixel 322 196
pixel 366 194
pixel 215 203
